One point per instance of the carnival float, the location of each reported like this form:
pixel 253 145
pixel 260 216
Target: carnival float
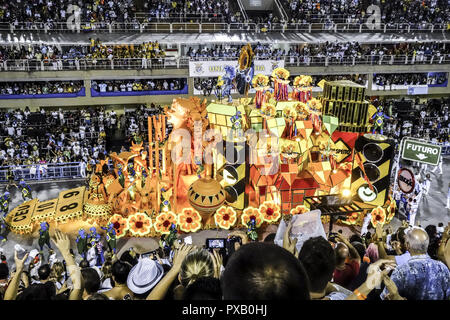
pixel 302 153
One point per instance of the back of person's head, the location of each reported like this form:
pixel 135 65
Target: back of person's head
pixel 372 252
pixel 91 280
pixel 204 288
pixel 41 291
pixel 4 271
pixel 341 252
pixel 44 272
pixel 97 296
pixel 355 238
pixel 126 256
pixel 84 264
pixel 360 248
pixel 57 270
pixel 431 230
pixel 417 240
pixel 120 271
pixel 270 237
pixel 317 256
pixel 264 271
pixel 401 237
pixel 195 265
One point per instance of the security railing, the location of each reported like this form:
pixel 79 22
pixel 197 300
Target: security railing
pixel 186 26
pixel 183 62
pixel 44 171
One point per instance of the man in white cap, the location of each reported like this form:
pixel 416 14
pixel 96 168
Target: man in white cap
pixel 143 277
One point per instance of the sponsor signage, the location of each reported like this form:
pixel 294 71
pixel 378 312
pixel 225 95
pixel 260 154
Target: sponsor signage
pixel 216 68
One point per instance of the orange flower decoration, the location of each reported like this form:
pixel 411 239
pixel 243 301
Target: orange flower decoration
pixel 252 213
pixel 353 218
pixel 189 220
pixel 140 224
pixel 120 225
pixel 299 209
pixel 270 211
pixel 163 222
pixel 225 217
pixel 378 216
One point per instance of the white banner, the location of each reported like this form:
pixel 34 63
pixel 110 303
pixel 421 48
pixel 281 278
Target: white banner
pixel 215 68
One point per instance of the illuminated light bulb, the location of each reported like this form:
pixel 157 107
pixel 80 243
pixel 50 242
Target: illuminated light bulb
pixel 346 193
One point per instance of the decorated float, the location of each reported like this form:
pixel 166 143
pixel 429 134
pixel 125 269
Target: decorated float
pixel 291 152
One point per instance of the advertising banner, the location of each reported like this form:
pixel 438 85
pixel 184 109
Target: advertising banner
pixel 216 68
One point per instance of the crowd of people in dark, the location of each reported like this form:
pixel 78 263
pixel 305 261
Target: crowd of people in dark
pixel 139 85
pixel 348 11
pixel 40 87
pixel 393 81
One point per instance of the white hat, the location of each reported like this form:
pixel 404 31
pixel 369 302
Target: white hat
pixel 144 275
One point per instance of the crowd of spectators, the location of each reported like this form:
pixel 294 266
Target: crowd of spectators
pixel 410 263
pixel 139 85
pixel 349 11
pixel 191 10
pixel 393 81
pixel 58 11
pixel 427 119
pixel 40 87
pixel 337 52
pixel 54 136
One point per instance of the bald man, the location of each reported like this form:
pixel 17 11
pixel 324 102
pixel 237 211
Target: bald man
pixel 347 262
pixel 420 278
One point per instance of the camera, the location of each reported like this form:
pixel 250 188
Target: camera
pixel 215 243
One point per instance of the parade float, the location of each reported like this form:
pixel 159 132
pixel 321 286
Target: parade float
pixel 302 153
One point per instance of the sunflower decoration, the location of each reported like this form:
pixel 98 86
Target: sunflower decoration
pixel 269 110
pixel 189 220
pixel 139 224
pixel 305 81
pixel 120 225
pixel 280 74
pixel 315 104
pixel 252 213
pixel 302 111
pixel 270 211
pixel 289 114
pixel 163 222
pixel 225 217
pixel 260 81
pixel 378 216
pixel 297 81
pixel 300 209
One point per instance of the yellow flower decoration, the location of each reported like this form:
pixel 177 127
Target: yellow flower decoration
pixel 260 80
pixel 299 209
pixel 306 81
pixel 289 114
pixel 288 148
pixel 252 213
pixel 225 217
pixel 280 73
pixel 270 211
pixel 139 223
pixel 163 222
pixel 189 220
pixel 269 110
pixel 315 104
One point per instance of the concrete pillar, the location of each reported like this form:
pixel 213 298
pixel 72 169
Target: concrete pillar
pixel 369 91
